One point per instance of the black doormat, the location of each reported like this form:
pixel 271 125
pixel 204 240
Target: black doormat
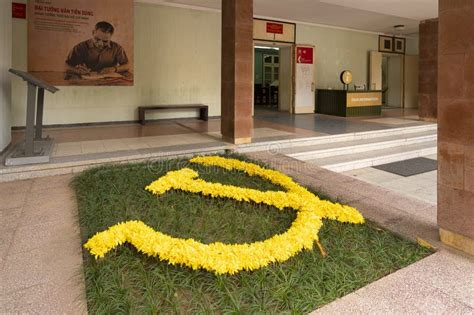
pixel 409 167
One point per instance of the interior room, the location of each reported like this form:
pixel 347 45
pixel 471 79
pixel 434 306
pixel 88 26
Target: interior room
pixel 273 77
pixel 267 76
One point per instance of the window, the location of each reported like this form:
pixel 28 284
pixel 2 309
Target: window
pixel 271 69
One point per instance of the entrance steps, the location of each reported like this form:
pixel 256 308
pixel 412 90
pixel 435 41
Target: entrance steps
pixel 281 145
pixel 336 152
pixel 364 149
pixel 352 161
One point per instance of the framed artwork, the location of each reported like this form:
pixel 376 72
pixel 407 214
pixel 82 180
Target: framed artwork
pixel 385 43
pixel 399 45
pixel 67 37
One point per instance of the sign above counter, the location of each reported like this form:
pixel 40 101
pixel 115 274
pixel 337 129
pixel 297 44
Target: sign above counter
pixel 349 103
pixel 274 31
pixel 362 99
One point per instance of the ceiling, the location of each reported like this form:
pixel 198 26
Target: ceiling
pixel 366 15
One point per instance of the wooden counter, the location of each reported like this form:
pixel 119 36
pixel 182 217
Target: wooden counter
pixel 349 103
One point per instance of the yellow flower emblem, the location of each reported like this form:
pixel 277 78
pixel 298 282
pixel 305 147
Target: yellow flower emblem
pixel 223 258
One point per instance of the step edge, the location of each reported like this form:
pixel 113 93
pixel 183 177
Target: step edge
pixel 416 153
pixel 392 143
pixel 431 147
pixel 251 147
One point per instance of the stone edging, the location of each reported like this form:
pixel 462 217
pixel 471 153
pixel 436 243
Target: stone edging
pixel 406 216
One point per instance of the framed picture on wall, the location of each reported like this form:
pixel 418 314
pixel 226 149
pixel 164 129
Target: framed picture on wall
pixel 81 43
pixel 399 45
pixel 385 43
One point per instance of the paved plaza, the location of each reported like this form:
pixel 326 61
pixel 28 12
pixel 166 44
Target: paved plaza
pixel 439 284
pixel 40 248
pixel 421 186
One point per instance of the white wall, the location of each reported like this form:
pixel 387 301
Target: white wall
pixel 285 77
pixel 5 76
pixel 410 89
pixel 412 46
pixel 394 78
pixel 177 61
pixel 411 81
pixel 338 50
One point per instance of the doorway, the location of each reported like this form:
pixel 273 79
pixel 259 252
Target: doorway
pixel 392 81
pixel 397 77
pixel 266 77
pixel 273 77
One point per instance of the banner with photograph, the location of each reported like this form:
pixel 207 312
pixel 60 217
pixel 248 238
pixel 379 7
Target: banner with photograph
pixel 81 42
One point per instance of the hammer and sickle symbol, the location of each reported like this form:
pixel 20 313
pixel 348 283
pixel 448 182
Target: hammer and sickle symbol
pixel 223 258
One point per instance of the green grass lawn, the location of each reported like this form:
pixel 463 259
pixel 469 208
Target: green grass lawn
pixel 126 281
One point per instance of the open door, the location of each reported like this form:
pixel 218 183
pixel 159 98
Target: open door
pixel 304 81
pixel 375 74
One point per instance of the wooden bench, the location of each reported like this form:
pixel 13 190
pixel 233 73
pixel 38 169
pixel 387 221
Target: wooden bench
pixel 203 110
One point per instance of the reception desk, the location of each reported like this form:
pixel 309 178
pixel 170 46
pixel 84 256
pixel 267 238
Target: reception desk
pixel 349 103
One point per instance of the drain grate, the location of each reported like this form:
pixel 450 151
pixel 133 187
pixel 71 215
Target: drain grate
pixel 409 167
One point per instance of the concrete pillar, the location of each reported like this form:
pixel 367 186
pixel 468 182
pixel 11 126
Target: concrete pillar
pixel 428 70
pixel 456 124
pixel 5 77
pixel 236 73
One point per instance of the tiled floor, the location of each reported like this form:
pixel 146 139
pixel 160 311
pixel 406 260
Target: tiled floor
pixel 422 186
pixel 77 147
pixel 392 118
pixel 158 129
pixel 387 121
pixel 149 142
pixel 40 254
pixel 304 125
pixel 123 144
pixel 268 125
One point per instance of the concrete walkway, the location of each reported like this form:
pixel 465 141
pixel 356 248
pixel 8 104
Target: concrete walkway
pixel 421 186
pixel 40 253
pixel 442 283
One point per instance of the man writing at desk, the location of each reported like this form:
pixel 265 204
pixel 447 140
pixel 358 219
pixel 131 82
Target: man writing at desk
pixel 98 55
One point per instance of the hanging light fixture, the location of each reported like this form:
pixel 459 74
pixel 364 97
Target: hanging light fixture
pixel 398 29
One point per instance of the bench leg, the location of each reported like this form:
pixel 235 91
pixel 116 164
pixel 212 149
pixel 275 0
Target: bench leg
pixel 204 114
pixel 141 116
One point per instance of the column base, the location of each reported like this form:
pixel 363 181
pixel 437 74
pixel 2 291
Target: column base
pixel 457 241
pixel 237 140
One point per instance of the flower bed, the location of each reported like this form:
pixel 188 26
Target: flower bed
pixel 229 258
pixel 127 281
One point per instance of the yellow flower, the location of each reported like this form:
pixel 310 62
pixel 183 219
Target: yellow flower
pixel 229 258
